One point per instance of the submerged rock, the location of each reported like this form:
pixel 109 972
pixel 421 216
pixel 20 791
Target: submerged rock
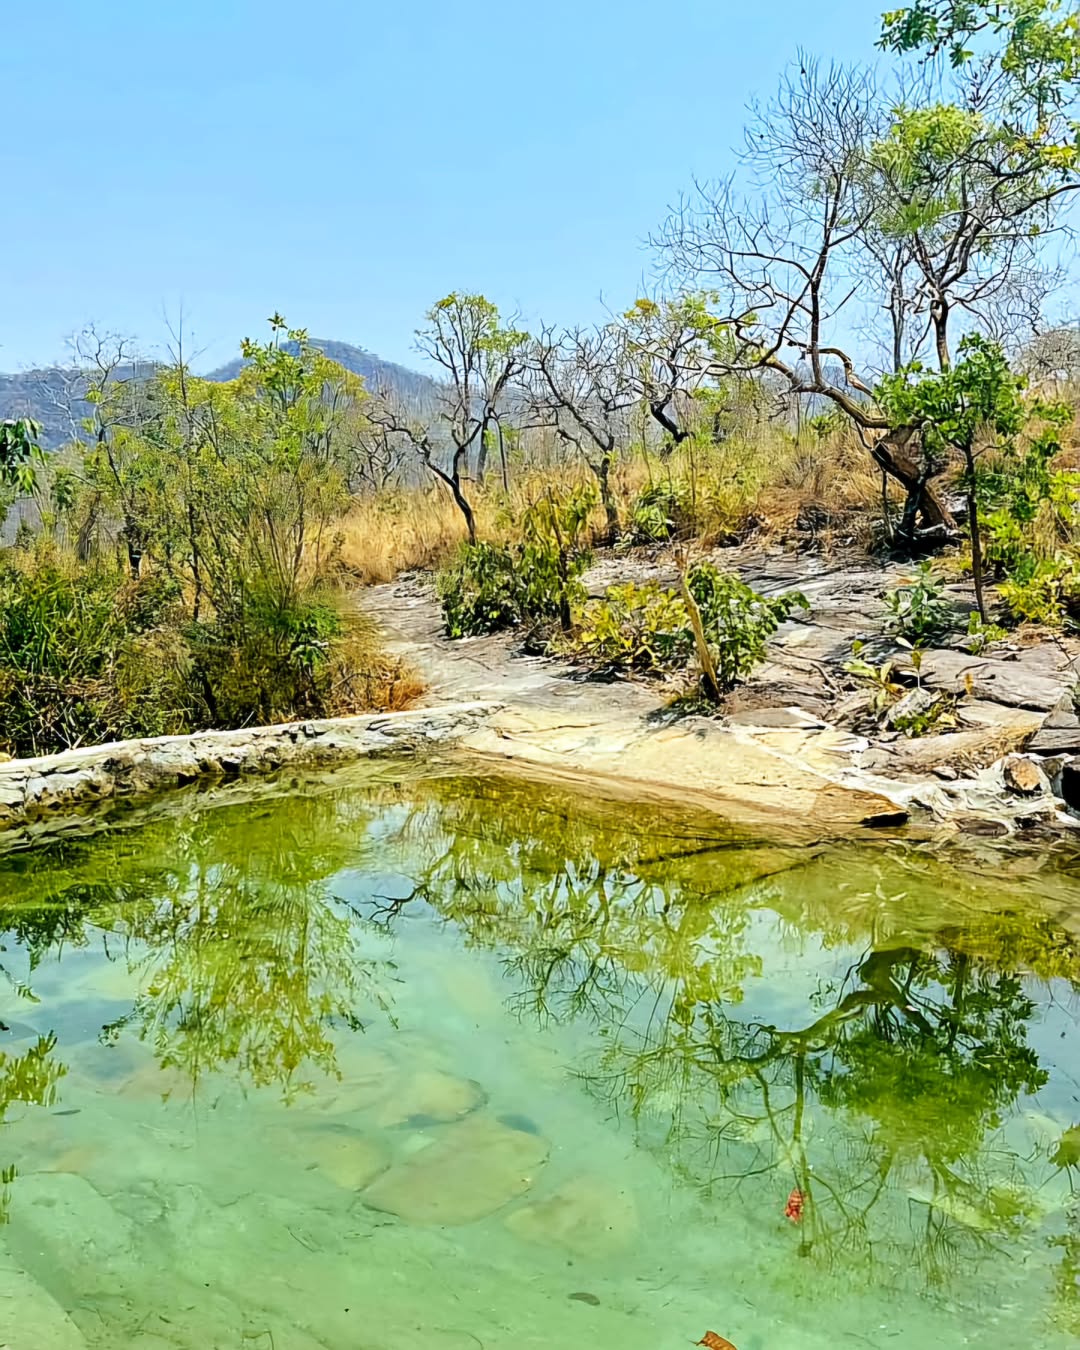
pixel 431 1097
pixel 350 1160
pixel 471 1170
pixel 30 1316
pixel 587 1216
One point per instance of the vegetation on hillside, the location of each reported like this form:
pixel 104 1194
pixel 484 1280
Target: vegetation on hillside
pixel 852 342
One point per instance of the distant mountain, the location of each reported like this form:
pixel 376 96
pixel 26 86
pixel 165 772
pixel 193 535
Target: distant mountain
pixel 52 395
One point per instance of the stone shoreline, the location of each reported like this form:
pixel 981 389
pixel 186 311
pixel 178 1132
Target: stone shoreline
pixel 53 794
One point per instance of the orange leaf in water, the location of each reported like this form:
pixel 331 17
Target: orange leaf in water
pixel 714 1342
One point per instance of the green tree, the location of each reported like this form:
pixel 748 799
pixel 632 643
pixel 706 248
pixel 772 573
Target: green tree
pixel 480 357
pixel 19 453
pixel 1034 43
pixel 975 407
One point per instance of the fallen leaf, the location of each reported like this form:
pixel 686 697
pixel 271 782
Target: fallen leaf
pixel 714 1342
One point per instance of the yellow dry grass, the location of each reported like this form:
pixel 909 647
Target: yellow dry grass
pixel 762 481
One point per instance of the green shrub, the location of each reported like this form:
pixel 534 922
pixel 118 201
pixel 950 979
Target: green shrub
pixel 658 512
pixel 82 657
pixel 918 610
pixel 480 592
pixel 491 587
pixel 738 622
pixel 89 655
pixel 648 628
pixel 644 628
pixel 1044 591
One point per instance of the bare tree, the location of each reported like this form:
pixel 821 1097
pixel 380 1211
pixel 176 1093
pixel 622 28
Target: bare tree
pixel 971 199
pixel 785 263
pixel 481 358
pixel 584 385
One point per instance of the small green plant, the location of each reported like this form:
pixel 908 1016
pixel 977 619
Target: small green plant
pixel 737 621
pixel 918 610
pixel 980 635
pixel 885 689
pixel 1043 591
pixel 644 628
pixel 925 721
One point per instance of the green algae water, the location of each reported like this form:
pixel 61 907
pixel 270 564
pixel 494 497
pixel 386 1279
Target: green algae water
pixel 393 1062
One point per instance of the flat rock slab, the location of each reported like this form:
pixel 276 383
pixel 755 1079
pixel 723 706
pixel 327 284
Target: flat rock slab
pixel 349 1159
pixel 470 1170
pixel 31 1317
pixel 587 1216
pixel 430 1097
pixel 1007 682
pixel 798 775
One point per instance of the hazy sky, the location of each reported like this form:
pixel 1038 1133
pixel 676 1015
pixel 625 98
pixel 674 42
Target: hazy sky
pixel 348 163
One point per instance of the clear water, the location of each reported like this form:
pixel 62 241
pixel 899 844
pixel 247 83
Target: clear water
pixel 444 1062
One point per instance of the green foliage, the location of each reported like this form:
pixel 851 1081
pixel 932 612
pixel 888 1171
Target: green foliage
pixel 480 591
pixel 636 627
pixel 1035 42
pixel 952 407
pixel 885 689
pixel 658 511
pixel 85 655
pixel 737 621
pixel 980 635
pixel 918 610
pixel 647 628
pixel 492 587
pixel 19 453
pixel 1043 591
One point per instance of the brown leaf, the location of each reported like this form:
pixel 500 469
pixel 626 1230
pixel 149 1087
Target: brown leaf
pixel 712 1341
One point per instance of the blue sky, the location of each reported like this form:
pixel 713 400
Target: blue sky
pixel 347 163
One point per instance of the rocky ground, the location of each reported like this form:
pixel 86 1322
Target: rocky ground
pixel 1001 760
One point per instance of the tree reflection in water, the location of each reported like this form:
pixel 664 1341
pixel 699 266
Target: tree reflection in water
pixel 891 1105
pixel 227 924
pixel 891 1095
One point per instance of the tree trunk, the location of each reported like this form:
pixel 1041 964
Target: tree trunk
pixel 973 530
pixel 898 454
pixel 603 477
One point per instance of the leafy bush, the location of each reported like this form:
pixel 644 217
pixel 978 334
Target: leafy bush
pixel 1044 591
pixel 644 628
pixel 738 622
pixel 480 592
pixel 88 654
pixel 491 587
pixel 918 610
pixel 83 655
pixel 658 512
pixel 650 629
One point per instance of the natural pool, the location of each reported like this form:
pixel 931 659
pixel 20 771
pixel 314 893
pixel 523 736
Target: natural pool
pixel 401 1061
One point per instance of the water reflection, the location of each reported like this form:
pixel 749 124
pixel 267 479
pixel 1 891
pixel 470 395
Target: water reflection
pixel 228 927
pixel 860 1024
pixel 889 1097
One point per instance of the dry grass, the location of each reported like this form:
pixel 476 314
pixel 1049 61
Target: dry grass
pixel 761 481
